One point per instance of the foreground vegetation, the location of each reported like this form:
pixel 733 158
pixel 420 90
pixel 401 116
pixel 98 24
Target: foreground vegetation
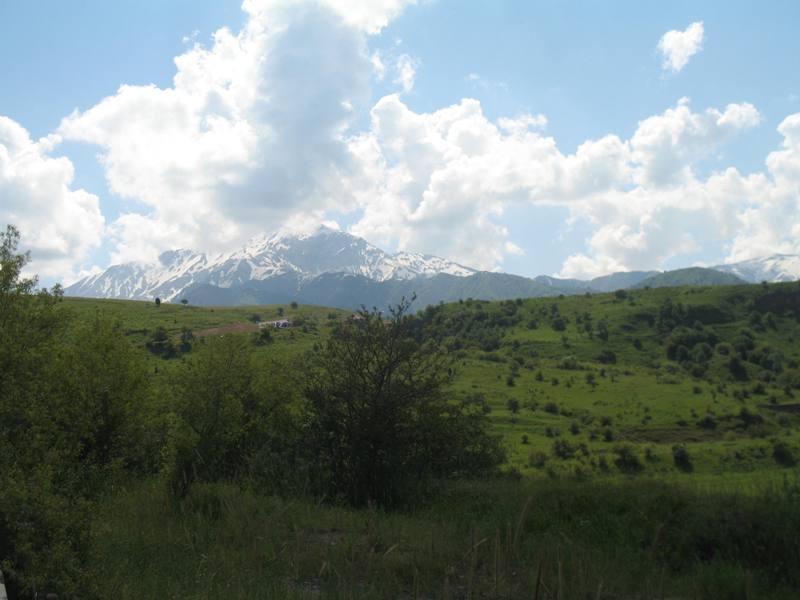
pixel 635 444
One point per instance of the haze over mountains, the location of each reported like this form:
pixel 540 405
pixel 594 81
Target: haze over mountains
pixel 333 268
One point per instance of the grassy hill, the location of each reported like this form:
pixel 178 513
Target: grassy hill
pixel 696 276
pixel 652 435
pixel 572 381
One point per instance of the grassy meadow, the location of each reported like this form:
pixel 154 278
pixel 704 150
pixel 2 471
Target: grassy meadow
pixel 652 439
pixel 544 387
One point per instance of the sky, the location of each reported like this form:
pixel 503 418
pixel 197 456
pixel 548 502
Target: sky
pixel 539 137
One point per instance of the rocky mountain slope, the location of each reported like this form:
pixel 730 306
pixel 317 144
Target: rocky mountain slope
pixel 333 268
pixel 304 256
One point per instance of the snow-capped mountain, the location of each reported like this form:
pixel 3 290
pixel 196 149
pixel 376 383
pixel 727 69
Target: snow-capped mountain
pixel 778 267
pixel 309 255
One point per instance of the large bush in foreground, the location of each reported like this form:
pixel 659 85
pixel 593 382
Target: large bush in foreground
pixel 380 421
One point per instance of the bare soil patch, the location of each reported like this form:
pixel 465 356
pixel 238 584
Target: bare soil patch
pixel 232 328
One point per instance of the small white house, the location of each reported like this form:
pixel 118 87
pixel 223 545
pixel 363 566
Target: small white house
pixel 279 324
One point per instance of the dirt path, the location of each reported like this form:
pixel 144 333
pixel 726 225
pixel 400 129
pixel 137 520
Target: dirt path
pixel 232 328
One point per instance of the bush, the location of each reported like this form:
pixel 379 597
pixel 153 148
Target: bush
pixel 707 422
pixel 69 421
pixel 563 449
pixel 380 422
pixel 627 460
pixel 607 357
pixel 783 455
pixel 233 422
pixel 681 458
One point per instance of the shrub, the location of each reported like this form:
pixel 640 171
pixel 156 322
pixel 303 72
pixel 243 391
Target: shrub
pixel 537 459
pixel 607 357
pixel 380 422
pixel 233 420
pixel 783 455
pixel 707 422
pixel 563 449
pixel 681 458
pixel 627 460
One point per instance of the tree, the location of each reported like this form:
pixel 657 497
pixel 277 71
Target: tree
pixel 33 499
pixel 232 422
pixel 184 301
pixel 380 421
pixel 158 301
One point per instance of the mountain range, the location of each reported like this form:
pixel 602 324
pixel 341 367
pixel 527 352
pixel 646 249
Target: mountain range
pixel 333 268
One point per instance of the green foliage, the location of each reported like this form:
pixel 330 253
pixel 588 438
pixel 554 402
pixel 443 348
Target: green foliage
pixel 681 458
pixel 231 422
pixel 380 422
pixel 627 460
pixel 783 454
pixel 68 422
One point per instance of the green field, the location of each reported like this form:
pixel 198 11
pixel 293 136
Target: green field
pixel 651 436
pixel 509 355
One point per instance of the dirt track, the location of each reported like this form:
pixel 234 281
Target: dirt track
pixel 232 328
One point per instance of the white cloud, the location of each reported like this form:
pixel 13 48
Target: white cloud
pixel 251 134
pixel 677 47
pixel 369 16
pixel 256 133
pixel 441 182
pixel 665 146
pixel 406 72
pixel 58 224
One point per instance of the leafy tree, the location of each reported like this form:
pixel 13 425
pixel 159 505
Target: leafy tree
pixel 67 421
pixel 379 419
pixel 184 301
pixel 232 421
pixel 158 301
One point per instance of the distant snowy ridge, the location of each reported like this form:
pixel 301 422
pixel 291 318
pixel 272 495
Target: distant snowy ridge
pixel 778 267
pixel 309 255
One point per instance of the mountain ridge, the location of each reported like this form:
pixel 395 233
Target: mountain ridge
pixel 332 267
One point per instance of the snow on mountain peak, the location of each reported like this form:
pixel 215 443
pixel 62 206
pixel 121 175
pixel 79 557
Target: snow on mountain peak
pixel 777 267
pixel 310 253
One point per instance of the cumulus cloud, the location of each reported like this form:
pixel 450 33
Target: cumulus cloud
pixel 666 145
pixel 257 132
pixel 252 132
pixel 441 182
pixel 677 47
pixel 58 224
pixel 370 16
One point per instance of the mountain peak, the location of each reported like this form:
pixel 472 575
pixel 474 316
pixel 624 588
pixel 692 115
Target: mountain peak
pixel 308 254
pixel 776 267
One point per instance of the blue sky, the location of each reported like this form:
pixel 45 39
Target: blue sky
pixel 592 69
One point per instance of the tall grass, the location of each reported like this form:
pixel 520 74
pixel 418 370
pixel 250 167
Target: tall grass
pixel 558 540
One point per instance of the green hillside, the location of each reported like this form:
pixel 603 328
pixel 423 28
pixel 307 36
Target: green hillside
pixel 572 381
pixel 696 276
pixel 652 439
